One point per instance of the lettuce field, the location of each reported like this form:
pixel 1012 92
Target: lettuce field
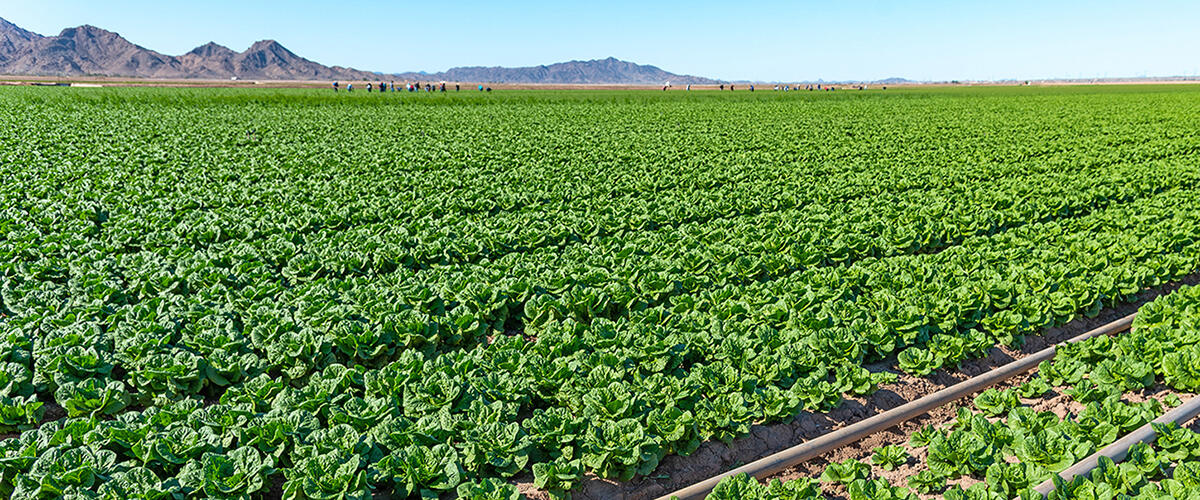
pixel 1003 445
pixel 299 294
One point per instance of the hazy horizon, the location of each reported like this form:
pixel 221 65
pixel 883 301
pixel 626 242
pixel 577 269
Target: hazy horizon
pixel 807 41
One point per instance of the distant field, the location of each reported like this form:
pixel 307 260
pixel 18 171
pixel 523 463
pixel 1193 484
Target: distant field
pixel 291 292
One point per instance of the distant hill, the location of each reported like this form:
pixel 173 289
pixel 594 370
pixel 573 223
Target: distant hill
pixel 88 50
pixel 13 38
pixel 611 70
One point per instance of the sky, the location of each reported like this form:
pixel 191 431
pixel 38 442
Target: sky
pixel 765 41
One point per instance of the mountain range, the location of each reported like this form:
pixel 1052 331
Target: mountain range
pixel 91 51
pixel 611 70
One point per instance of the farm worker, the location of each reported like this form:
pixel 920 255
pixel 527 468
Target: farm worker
pixel 689 87
pixel 731 88
pixel 722 86
pixel 481 88
pixel 456 88
pixel 752 88
pixel 349 87
pixel 368 86
pixel 335 85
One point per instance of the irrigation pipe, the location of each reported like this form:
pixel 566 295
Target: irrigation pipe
pixel 1119 449
pixel 855 432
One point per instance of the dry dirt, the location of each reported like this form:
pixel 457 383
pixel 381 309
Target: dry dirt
pixel 1055 401
pixel 713 458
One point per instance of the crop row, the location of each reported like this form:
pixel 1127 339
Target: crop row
pixel 658 383
pixel 1006 457
pixel 692 147
pixel 218 298
pixel 105 284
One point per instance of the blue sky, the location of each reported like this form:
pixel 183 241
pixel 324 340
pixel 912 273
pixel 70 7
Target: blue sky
pixel 829 39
